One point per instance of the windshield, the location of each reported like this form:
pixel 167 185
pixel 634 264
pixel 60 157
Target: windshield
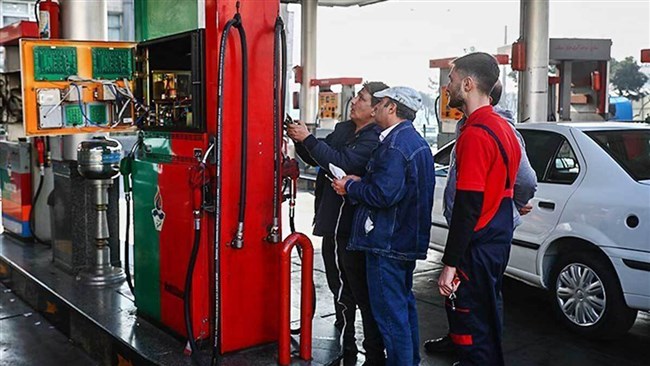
pixel 630 148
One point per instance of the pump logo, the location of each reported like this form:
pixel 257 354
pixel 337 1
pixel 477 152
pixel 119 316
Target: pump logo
pixel 157 213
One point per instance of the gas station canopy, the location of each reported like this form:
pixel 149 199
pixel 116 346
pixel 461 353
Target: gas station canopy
pixel 337 2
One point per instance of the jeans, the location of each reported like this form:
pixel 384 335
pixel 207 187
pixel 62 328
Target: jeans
pixel 390 283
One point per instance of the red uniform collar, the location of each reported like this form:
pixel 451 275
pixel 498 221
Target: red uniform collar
pixel 478 115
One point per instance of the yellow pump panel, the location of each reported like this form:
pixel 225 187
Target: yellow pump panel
pixel 92 91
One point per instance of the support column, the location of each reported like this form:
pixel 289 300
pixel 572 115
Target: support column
pixel 565 91
pixel 533 83
pixel 82 21
pixel 308 93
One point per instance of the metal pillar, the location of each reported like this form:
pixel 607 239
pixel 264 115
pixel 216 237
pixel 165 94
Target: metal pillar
pixel 82 21
pixel 533 85
pixel 308 93
pixel 100 272
pixel 565 91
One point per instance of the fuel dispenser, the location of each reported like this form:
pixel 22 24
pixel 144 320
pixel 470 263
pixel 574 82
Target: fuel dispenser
pixel 578 87
pixel 207 175
pixel 333 107
pixel 583 69
pixel 23 161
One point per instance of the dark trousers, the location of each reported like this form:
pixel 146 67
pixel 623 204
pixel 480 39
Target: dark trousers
pixel 390 286
pixel 346 277
pixel 476 319
pixel 354 265
pixel 344 304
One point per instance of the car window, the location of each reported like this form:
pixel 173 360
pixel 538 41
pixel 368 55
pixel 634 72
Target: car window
pixel 564 167
pixel 541 146
pixel 443 155
pixel 629 148
pixel 551 156
pixel 442 158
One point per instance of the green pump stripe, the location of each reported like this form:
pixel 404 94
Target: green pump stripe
pixel 147 239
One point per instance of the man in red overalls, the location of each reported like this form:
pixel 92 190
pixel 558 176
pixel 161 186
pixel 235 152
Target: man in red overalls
pixel 478 244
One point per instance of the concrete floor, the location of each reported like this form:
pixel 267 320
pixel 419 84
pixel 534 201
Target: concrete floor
pixel 27 339
pixel 532 335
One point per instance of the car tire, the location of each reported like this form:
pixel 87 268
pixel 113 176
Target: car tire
pixel 587 297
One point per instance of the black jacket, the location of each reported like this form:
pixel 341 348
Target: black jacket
pixel 349 151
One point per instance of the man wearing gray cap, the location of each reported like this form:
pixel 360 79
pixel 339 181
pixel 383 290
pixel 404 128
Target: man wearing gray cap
pixel 393 220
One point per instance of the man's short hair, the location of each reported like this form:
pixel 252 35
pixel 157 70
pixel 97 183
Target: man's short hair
pixel 372 87
pixel 401 110
pixel 482 67
pixel 404 111
pixel 496 93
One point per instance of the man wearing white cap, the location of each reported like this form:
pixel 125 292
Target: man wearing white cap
pixel 393 220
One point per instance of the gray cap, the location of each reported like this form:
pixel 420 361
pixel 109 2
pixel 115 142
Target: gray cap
pixel 409 97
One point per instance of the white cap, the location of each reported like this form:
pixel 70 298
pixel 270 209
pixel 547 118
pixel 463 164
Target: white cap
pixel 409 97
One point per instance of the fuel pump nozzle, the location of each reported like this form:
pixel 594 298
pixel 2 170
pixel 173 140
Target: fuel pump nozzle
pixel 126 168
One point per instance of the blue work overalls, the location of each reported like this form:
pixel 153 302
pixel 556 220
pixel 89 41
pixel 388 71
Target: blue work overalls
pixel 476 315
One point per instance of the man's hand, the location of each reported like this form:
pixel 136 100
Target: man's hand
pixel 446 283
pixel 339 184
pixel 526 209
pixel 298 131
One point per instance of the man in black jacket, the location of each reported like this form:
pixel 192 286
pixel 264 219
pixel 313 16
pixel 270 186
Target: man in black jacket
pixel 349 147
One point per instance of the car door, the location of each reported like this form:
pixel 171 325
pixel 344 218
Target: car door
pixel 554 157
pixel 438 223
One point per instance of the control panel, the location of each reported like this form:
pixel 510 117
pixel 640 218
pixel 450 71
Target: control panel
pixel 73 87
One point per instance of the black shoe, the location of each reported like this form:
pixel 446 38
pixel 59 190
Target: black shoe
pixel 374 363
pixel 349 357
pixel 439 345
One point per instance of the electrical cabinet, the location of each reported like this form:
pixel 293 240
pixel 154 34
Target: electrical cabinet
pixel 71 87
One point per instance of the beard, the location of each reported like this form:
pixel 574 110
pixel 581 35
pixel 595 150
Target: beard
pixel 455 101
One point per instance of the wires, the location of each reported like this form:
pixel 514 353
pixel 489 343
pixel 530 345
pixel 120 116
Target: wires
pixel 81 106
pixel 123 98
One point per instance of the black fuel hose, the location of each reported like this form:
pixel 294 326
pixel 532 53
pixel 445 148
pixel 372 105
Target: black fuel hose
pixel 276 129
pixel 279 99
pixel 32 211
pixel 127 195
pixel 244 126
pixel 435 111
pixel 218 153
pixel 187 296
pixel 127 269
pixel 236 22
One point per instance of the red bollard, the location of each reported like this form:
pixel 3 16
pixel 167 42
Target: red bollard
pixel 306 300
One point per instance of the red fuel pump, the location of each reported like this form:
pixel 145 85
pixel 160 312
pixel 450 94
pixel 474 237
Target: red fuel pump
pixel 47 16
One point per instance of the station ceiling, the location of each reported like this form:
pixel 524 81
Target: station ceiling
pixel 337 2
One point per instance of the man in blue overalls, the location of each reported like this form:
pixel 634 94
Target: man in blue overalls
pixel 478 245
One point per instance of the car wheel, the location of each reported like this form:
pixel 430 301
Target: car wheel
pixel 587 296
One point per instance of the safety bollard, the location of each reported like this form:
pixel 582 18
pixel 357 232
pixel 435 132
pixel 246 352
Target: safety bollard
pixel 306 300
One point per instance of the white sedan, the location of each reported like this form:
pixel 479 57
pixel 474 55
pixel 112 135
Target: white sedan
pixel 587 239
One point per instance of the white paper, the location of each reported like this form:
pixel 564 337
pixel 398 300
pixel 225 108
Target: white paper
pixel 337 172
pixel 368 225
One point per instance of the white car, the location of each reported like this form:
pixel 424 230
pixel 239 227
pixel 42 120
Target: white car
pixel 587 240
